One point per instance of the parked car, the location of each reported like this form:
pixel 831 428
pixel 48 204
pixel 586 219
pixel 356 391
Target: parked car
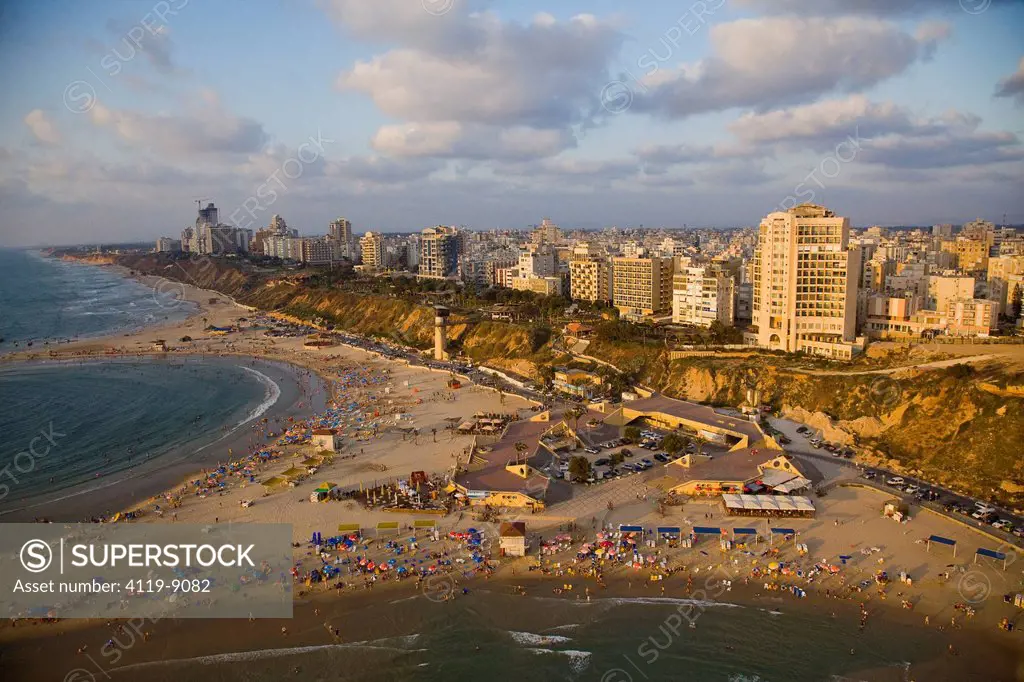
pixel 895 481
pixel 801 429
pixel 662 457
pixel 648 462
pixel 604 461
pixel 784 440
pixel 911 489
pixel 1002 524
pixel 869 475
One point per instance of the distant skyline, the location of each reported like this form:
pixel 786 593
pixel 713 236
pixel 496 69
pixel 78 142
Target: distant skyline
pixel 401 114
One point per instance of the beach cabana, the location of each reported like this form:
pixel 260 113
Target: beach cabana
pixel 669 532
pixel 942 541
pixel 991 554
pixel 349 528
pixel 745 532
pixel 323 492
pixel 388 527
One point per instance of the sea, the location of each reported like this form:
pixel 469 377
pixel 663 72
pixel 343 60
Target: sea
pixel 491 634
pixel 85 436
pixel 46 300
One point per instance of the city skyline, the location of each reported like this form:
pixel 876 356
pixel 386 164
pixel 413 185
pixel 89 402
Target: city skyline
pixel 402 114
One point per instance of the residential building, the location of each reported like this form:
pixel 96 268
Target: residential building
pixel 168 245
pixel 942 231
pixel 642 286
pixel 319 250
pixel 590 276
pixel 974 317
pixel 372 251
pixel 702 295
pixel 805 283
pixel 546 286
pixel 576 382
pixel 340 230
pixel 439 252
pixel 971 254
pixel 945 288
pixel 546 233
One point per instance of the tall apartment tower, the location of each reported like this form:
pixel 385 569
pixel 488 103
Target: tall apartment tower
pixel 805 283
pixel 439 252
pixel 372 246
pixel 340 230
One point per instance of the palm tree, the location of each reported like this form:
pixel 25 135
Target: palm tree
pixel 520 447
pixel 575 413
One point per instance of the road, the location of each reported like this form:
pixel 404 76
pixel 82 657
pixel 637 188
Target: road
pixel 835 468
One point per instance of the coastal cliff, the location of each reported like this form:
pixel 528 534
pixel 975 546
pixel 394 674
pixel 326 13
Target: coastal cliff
pixel 960 426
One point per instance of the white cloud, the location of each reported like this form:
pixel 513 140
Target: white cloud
pixel 1013 85
pixel 762 63
pixel 209 130
pixel 452 139
pixel 43 129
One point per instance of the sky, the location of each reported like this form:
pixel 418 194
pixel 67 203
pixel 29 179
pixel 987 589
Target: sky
pixel 118 115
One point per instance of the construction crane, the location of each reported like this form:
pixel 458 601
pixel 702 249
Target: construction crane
pixel 200 200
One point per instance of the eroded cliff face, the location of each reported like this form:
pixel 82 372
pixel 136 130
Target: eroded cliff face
pixel 961 427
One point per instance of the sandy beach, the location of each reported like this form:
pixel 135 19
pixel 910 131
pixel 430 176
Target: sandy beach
pixel 378 403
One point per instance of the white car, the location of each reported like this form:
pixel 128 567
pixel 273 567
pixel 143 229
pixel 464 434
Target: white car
pixel 911 489
pixel 1002 524
pixel 895 480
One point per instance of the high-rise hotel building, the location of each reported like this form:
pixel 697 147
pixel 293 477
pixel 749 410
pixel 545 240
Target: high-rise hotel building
pixel 805 283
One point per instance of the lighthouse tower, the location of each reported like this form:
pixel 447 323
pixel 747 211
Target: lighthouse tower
pixel 440 332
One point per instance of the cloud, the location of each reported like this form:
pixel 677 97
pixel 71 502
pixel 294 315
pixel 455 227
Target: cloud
pixel 42 128
pixel 209 130
pixel 476 81
pixel 1013 85
pixel 883 132
pixel 765 63
pixel 452 139
pixel 866 7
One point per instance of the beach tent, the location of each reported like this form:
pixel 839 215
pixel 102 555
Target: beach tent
pixel 424 523
pixel 992 554
pixel 349 528
pixel 669 532
pixel 631 529
pixel 942 541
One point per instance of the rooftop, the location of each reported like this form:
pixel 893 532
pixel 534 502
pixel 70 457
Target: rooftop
pixel 696 413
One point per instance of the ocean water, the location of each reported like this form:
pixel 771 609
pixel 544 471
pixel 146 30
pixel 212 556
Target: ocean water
pixel 48 299
pixel 490 635
pixel 75 429
pixel 84 424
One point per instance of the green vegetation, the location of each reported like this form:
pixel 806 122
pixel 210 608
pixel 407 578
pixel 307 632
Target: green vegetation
pixel 579 468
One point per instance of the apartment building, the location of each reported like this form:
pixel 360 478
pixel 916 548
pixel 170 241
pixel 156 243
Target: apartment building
pixel 703 294
pixel 971 254
pixel 805 283
pixel 945 288
pixel 547 286
pixel 590 276
pixel 371 247
pixel 642 286
pixel 974 317
pixel 439 252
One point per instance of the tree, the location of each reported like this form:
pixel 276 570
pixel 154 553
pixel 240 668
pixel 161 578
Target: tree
pixel 579 468
pixel 674 443
pixel 520 447
pixel 575 413
pixel 631 433
pixel 1017 302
